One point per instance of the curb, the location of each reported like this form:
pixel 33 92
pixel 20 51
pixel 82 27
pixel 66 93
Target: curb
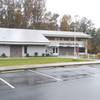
pixel 25 67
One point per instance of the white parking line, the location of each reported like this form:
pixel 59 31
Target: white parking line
pixel 7 83
pixel 46 75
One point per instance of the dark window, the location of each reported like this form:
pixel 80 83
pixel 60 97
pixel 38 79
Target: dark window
pixel 25 49
pixel 53 50
pixel 50 38
pixel 81 49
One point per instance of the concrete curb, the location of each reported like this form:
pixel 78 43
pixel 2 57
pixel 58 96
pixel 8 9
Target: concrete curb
pixel 25 67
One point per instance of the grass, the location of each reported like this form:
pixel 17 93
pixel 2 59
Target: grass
pixel 34 60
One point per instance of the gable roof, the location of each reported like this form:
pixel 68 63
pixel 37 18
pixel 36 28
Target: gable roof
pixel 21 36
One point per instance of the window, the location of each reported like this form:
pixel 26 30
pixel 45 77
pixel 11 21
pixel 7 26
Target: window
pixel 61 38
pixel 54 50
pixel 81 49
pixel 25 49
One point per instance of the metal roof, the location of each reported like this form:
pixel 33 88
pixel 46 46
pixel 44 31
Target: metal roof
pixel 65 34
pixel 27 36
pixel 21 36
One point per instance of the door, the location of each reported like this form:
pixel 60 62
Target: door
pixel 16 51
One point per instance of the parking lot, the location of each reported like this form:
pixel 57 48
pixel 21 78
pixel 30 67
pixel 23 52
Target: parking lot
pixel 51 83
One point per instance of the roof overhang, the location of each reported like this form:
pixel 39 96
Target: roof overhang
pixel 23 43
pixel 66 36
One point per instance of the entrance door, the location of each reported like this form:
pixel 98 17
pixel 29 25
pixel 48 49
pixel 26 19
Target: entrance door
pixel 16 51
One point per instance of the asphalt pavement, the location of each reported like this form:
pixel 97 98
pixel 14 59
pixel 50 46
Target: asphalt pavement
pixel 79 83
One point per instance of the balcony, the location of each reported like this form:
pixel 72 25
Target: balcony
pixel 67 43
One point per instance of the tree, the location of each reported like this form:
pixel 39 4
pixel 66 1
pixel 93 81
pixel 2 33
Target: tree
pixel 49 21
pixel 86 25
pixel 75 24
pixel 2 14
pixel 27 6
pixel 91 46
pixel 11 9
pixel 65 23
pixel 94 43
pixel 10 13
pixel 82 25
pixel 96 39
pixel 21 13
pixel 53 22
pixel 75 27
pixel 38 13
pixel 18 22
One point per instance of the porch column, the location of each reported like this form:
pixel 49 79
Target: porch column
pixel 74 45
pixel 86 49
pixel 58 51
pixel 55 49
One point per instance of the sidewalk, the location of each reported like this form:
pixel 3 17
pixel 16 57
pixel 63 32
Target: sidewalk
pixel 25 67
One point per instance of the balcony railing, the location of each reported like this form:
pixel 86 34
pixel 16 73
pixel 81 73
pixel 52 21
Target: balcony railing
pixel 68 43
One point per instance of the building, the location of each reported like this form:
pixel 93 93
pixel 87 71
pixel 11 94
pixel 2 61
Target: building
pixel 67 43
pixel 20 42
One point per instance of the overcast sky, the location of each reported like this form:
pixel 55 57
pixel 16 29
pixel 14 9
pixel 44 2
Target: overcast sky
pixel 83 8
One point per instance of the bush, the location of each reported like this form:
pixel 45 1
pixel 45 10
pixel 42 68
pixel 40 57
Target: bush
pixel 36 54
pixel 27 55
pixel 3 55
pixel 43 55
pixel 98 55
pixel 47 54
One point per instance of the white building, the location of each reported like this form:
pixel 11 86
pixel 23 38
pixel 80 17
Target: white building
pixel 19 42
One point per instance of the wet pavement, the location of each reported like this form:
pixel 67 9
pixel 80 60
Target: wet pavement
pixel 80 83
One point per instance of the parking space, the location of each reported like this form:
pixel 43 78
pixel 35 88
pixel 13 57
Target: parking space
pixel 68 73
pixel 24 78
pixel 3 86
pixel 51 83
pixel 28 78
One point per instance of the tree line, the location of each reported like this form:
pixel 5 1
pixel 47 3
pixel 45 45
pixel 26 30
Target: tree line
pixel 26 14
pixel 32 14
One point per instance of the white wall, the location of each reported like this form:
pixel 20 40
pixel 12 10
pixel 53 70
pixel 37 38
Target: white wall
pixel 23 54
pixel 5 49
pixel 30 49
pixel 39 49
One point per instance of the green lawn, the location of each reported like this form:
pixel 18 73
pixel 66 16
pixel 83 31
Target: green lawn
pixel 34 60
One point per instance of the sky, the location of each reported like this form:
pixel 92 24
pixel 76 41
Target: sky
pixel 83 8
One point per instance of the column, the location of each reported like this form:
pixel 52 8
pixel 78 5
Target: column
pixel 74 46
pixel 86 50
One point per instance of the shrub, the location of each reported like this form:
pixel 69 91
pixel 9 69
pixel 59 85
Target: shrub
pixel 3 55
pixel 27 55
pixel 36 54
pixel 47 54
pixel 98 55
pixel 43 55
